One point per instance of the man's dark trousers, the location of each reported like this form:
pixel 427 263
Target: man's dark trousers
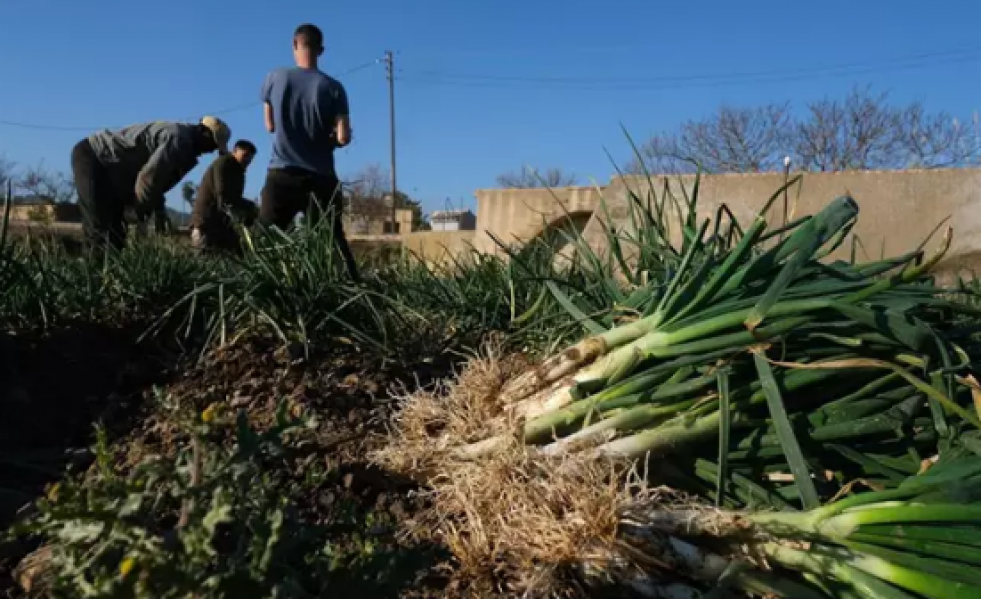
pixel 103 220
pixel 290 191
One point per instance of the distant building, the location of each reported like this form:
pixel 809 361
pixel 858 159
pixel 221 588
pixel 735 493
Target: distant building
pixel 43 209
pixel 376 221
pixel 453 220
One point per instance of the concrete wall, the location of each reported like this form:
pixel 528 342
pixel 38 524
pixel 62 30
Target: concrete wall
pixel 521 214
pixel 898 209
pixel 45 212
pixel 32 212
pixel 439 247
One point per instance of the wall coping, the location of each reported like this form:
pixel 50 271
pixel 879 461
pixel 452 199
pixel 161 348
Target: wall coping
pixel 533 189
pixel 660 176
pixel 908 171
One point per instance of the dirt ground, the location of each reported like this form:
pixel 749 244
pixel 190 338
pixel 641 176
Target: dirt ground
pixel 56 386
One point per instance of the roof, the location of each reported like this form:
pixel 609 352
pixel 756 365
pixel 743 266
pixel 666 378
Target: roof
pixel 449 213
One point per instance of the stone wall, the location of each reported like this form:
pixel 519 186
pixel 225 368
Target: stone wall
pixel 898 209
pixel 514 215
pixel 439 247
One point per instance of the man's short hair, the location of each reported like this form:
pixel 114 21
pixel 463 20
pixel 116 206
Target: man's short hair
pixel 246 145
pixel 309 35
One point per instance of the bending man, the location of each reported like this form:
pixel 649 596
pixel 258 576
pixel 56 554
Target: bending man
pixel 307 112
pixel 134 168
pixel 220 193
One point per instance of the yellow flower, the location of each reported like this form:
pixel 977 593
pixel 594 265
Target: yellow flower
pixel 209 413
pixel 53 492
pixel 126 566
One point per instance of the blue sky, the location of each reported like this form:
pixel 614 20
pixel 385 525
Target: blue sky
pixel 486 86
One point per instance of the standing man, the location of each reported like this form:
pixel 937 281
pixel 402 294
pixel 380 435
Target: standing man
pixel 306 110
pixel 133 168
pixel 221 191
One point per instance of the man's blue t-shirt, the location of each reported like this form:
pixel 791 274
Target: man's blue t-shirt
pixel 305 104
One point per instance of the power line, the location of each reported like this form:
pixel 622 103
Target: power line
pixel 559 52
pixel 700 80
pixel 229 110
pixel 902 62
pixel 972 52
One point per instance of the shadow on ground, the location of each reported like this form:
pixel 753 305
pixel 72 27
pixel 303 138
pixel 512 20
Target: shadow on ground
pixel 55 387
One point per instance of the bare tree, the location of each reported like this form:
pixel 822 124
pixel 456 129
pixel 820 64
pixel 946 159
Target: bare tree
pixel 365 197
pixel 861 131
pixel 733 140
pixel 937 140
pixel 43 183
pixel 530 178
pixel 864 131
pixel 372 181
pixel 7 168
pixel 366 194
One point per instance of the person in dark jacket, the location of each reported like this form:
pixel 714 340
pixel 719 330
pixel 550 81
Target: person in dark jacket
pixel 219 196
pixel 132 169
pixel 306 110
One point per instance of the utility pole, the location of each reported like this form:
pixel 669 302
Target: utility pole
pixel 390 71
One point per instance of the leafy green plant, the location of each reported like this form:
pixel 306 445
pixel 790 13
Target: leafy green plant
pixel 207 521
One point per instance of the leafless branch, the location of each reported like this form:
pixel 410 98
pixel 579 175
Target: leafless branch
pixel 7 168
pixel 861 131
pixel 531 178
pixel 43 183
pixel 733 140
pixel 365 192
pixel 937 140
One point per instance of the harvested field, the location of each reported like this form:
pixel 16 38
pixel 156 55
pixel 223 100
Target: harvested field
pixel 332 487
pixel 117 368
pixel 181 425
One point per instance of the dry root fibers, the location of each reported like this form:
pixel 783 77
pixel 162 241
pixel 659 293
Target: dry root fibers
pixel 520 522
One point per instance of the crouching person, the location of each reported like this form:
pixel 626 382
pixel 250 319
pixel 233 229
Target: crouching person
pixel 219 197
pixel 133 168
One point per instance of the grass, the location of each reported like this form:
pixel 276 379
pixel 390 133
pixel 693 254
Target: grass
pixel 290 286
